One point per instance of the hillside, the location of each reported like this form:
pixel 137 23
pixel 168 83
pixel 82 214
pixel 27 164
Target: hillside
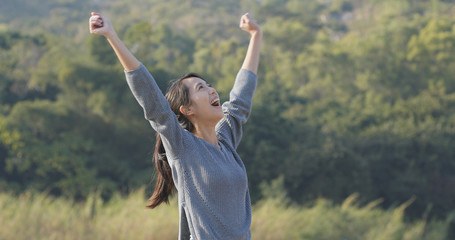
pixel 354 96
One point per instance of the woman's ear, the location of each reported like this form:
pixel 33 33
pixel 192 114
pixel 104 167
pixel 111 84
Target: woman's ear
pixel 186 110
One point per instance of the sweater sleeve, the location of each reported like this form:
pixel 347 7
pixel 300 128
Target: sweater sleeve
pixel 238 108
pixel 156 109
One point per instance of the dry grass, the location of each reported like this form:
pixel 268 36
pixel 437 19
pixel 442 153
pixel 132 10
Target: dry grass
pixel 38 216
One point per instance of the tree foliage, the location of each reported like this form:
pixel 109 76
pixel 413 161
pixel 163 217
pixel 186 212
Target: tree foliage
pixel 353 96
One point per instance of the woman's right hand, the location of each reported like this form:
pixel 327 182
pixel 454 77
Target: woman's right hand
pixel 100 25
pixel 249 25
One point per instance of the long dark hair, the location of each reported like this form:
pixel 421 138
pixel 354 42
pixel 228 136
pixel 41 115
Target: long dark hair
pixel 177 95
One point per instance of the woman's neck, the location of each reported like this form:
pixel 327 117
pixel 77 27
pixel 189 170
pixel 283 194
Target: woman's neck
pixel 206 133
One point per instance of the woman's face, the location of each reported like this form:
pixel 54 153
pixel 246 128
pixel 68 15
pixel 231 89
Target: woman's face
pixel 205 102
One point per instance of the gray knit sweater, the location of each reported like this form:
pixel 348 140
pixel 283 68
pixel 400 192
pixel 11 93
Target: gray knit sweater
pixel 213 197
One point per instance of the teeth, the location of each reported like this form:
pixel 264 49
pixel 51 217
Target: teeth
pixel 216 102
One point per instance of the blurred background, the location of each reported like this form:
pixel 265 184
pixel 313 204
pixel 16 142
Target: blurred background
pixel 352 133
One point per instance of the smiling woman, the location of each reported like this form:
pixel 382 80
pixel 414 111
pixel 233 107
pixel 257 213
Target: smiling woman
pixel 205 109
pixel 197 139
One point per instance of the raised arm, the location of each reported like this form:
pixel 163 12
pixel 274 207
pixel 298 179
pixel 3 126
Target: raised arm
pixel 100 25
pixel 249 25
pixel 238 108
pixel 144 88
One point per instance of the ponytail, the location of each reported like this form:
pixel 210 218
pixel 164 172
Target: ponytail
pixel 164 183
pixel 177 95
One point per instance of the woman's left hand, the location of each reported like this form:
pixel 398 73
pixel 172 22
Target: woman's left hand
pixel 100 25
pixel 249 25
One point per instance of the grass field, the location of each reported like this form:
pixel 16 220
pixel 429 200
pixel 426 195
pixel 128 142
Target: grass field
pixel 38 216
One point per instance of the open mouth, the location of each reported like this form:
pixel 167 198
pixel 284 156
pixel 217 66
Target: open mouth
pixel 215 102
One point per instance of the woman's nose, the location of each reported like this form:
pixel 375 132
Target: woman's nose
pixel 212 90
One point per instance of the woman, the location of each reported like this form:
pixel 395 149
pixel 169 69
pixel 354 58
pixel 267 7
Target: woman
pixel 197 140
